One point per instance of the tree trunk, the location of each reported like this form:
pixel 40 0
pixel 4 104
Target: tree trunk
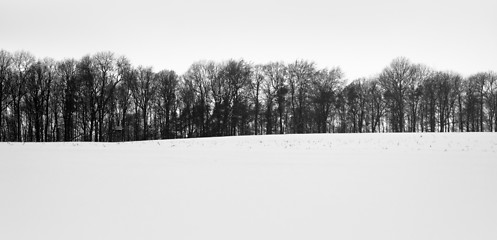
pixel 18 116
pixel 145 123
pixel 47 114
pixel 256 117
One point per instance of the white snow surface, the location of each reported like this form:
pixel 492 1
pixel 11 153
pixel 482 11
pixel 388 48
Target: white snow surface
pixel 317 186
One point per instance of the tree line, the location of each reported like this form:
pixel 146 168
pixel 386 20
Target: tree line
pixel 103 97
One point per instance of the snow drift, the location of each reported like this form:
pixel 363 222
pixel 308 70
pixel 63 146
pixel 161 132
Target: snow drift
pixel 319 186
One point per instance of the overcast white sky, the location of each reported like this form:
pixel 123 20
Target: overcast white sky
pixel 362 37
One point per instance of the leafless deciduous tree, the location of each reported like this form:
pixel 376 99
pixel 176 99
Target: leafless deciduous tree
pixel 102 97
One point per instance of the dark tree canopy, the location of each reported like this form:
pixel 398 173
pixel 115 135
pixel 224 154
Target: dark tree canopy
pixel 103 97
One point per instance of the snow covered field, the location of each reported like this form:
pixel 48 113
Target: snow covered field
pixel 320 186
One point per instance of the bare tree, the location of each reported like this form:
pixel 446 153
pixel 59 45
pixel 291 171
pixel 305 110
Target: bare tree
pixel 70 86
pixel 105 65
pixel 490 98
pixel 375 103
pixel 203 76
pixel 5 73
pixel 22 61
pixel 167 90
pixel 127 78
pixel 255 94
pixel 397 79
pixel 236 76
pixel 325 90
pixel 274 88
pixel 301 74
pixel 143 93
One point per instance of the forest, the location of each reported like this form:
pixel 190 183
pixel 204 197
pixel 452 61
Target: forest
pixel 104 98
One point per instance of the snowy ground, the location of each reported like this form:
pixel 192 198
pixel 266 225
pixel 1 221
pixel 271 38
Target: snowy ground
pixel 352 186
